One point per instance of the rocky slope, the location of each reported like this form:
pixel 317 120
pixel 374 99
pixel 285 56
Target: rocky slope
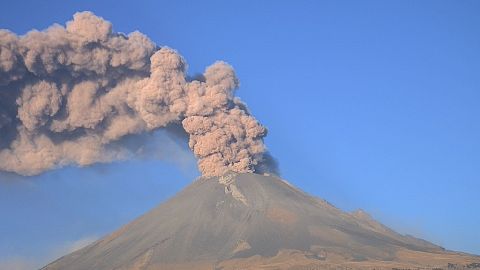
pixel 251 221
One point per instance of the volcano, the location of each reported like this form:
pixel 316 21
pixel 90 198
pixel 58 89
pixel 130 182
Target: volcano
pixel 252 221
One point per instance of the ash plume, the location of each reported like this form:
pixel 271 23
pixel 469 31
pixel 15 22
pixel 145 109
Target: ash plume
pixel 69 95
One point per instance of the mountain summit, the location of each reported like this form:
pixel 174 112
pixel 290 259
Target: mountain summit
pixel 252 221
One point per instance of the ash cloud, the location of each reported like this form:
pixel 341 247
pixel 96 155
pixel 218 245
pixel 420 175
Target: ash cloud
pixel 69 95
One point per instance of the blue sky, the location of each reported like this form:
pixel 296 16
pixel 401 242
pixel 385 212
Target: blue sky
pixel 369 104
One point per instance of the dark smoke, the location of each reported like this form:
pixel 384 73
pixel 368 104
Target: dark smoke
pixel 74 95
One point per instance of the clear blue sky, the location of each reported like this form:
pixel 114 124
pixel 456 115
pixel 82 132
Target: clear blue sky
pixel 369 104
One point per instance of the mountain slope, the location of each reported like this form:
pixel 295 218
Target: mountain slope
pixel 243 221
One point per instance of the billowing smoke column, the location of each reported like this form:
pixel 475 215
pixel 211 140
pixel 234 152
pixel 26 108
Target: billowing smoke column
pixel 69 95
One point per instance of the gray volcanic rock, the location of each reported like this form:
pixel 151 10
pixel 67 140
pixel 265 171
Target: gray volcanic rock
pixel 242 220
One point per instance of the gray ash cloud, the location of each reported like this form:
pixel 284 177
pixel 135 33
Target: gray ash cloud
pixel 69 95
